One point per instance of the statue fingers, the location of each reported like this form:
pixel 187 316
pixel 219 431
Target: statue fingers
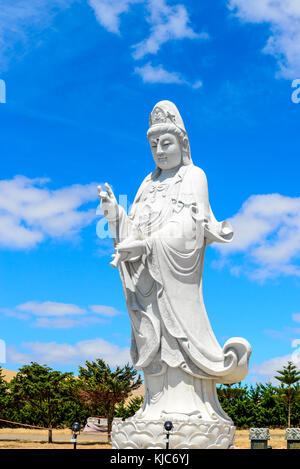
pixel 109 190
pixel 116 261
pixel 103 195
pixel 111 194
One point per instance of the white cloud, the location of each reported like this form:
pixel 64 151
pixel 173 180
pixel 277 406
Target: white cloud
pixel 283 16
pixel 62 353
pixel 108 12
pixel 15 314
pixel 166 23
pixel 267 232
pixel 107 311
pixel 50 308
pixel 287 333
pixel 65 323
pixel 52 315
pixel 198 84
pixel 268 369
pixel 152 74
pixel 19 17
pixel 296 317
pixel 30 212
pixel 157 74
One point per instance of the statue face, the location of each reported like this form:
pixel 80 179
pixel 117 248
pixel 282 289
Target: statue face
pixel 166 150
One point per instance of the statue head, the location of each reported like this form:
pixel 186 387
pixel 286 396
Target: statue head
pixel 167 137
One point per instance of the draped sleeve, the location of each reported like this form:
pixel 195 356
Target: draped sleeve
pixel 214 231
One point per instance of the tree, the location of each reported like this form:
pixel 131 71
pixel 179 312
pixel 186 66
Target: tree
pixel 43 389
pixel 124 411
pixel 102 388
pixel 3 385
pixel 3 394
pixel 229 392
pixel 289 391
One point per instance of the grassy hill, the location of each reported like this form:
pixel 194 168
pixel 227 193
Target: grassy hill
pixel 8 374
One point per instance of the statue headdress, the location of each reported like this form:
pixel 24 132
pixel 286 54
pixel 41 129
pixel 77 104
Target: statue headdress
pixel 165 117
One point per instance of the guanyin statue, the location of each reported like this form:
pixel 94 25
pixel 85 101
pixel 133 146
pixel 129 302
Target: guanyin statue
pixel 159 249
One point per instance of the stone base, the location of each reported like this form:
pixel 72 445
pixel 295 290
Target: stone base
pixel 150 434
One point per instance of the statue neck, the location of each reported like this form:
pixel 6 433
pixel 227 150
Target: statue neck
pixel 169 172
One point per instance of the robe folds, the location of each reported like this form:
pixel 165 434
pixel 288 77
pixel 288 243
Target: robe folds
pixel 163 288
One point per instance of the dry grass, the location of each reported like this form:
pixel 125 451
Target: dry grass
pixel 242 441
pixel 35 445
pixel 277 440
pixel 8 374
pixel 32 431
pixel 34 434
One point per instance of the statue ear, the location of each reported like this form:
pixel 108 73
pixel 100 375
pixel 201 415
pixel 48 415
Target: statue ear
pixel 185 151
pixel 185 144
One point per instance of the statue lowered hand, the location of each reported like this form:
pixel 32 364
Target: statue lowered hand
pixel 130 250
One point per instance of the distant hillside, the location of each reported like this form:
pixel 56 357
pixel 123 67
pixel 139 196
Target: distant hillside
pixel 140 392
pixel 8 374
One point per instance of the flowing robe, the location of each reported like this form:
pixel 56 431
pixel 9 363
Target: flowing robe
pixel 163 288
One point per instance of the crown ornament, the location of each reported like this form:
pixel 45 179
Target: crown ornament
pixel 165 112
pixel 160 116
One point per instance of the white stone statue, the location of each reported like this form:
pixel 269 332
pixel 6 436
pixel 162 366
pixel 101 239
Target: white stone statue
pixel 160 250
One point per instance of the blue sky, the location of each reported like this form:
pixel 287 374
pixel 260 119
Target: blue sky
pixel 81 80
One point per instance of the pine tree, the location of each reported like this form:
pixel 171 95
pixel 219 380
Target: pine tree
pixel 289 391
pixel 100 387
pixel 229 393
pixel 124 411
pixel 3 394
pixel 44 389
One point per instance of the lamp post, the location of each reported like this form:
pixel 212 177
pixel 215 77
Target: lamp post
pixel 168 427
pixel 76 431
